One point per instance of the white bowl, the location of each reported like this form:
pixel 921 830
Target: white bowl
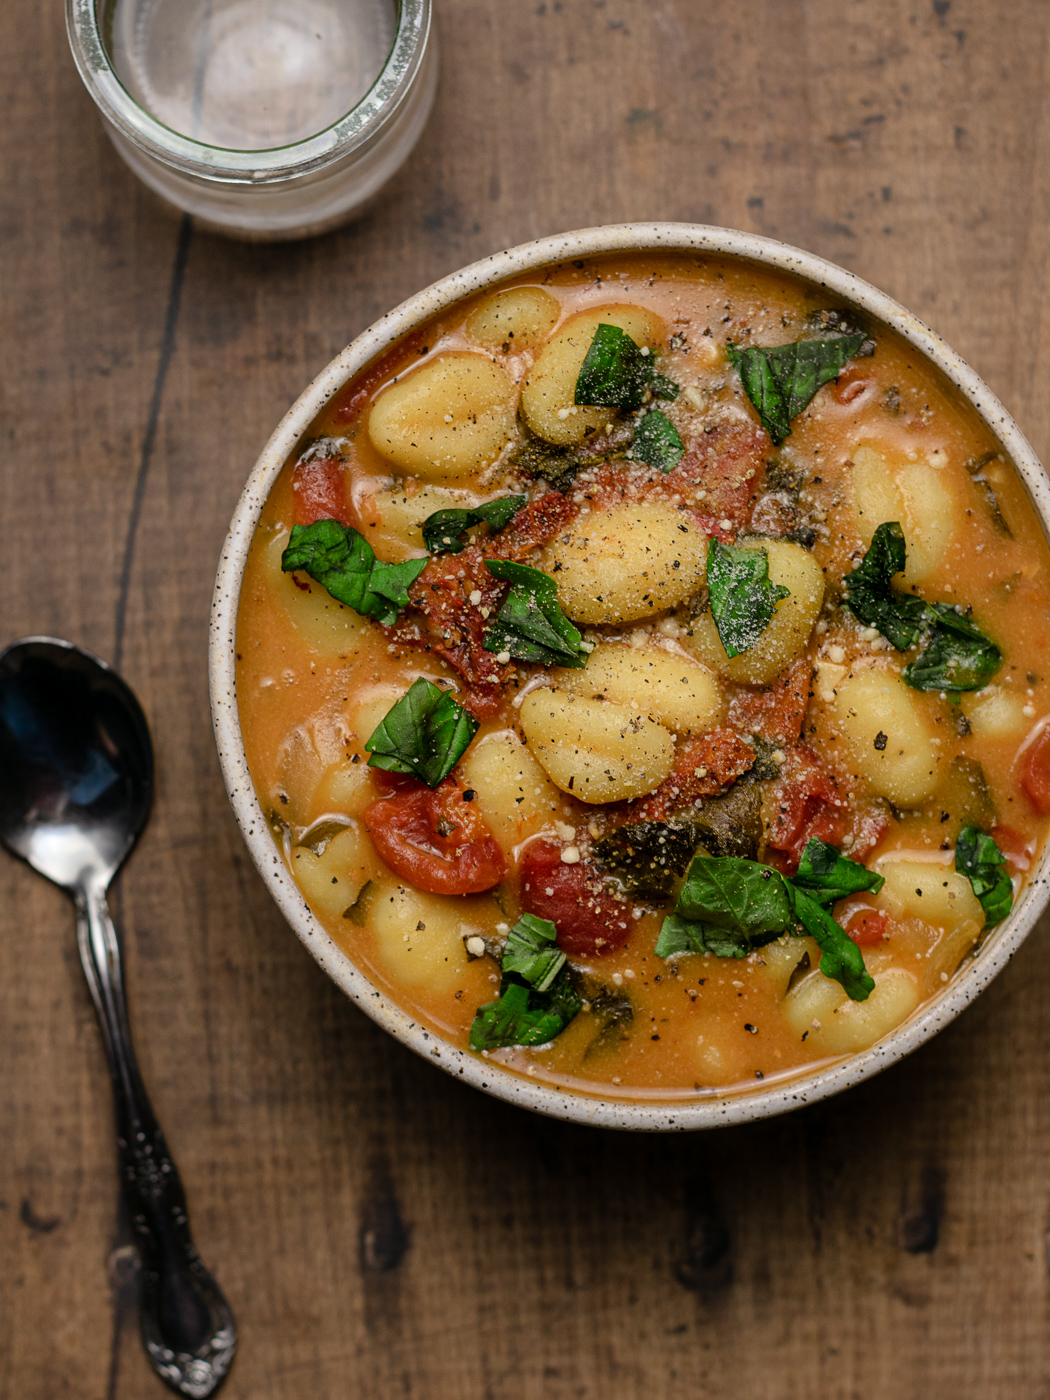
pixel 709 1108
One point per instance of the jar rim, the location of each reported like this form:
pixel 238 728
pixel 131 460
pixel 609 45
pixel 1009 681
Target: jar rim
pixel 354 129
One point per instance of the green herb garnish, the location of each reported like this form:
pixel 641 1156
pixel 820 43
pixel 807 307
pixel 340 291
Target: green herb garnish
pixel 343 562
pixel 537 999
pixel 444 532
pixel 729 906
pixel 530 625
pixel 424 735
pixel 617 373
pixel 957 656
pixel 781 380
pixel 981 861
pixel 742 597
pixel 656 441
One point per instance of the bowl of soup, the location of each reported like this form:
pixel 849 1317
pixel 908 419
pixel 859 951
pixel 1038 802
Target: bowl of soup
pixel 630 670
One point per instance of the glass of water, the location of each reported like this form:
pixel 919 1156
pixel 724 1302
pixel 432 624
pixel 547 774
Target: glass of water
pixel 264 118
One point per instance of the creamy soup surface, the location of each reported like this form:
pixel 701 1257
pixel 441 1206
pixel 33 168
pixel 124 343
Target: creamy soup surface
pixel 730 744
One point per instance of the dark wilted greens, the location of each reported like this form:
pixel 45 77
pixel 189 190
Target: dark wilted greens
pixel 424 735
pixel 742 597
pixel 646 858
pixel 617 373
pixel 781 380
pixel 956 656
pixel 981 861
pixel 531 625
pixel 445 531
pixel 343 562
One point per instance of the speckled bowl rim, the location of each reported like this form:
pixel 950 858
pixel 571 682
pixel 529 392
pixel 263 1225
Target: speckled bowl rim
pixel 711 1108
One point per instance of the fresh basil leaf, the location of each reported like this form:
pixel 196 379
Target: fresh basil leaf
pixel 616 374
pixel 656 441
pixel 424 735
pixel 523 1016
pixel 739 895
pixel 957 656
pixel 444 532
pixel 872 600
pixel 678 935
pixel 342 561
pixel 781 380
pixel 841 959
pixel 742 597
pixel 981 861
pixel 532 952
pixel 646 858
pixel 531 625
pixel 828 876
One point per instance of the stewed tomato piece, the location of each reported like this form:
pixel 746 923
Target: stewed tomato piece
pixel 437 841
pixel 1035 772
pixel 588 917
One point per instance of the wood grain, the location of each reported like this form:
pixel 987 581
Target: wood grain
pixel 381 1230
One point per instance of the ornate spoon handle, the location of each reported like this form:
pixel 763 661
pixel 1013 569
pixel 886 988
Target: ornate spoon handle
pixel 187 1326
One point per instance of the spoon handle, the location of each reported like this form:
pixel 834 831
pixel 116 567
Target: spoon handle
pixel 187 1326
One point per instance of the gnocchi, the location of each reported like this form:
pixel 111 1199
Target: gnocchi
pixel 594 750
pixel 518 319
pixel 668 687
pixel 888 737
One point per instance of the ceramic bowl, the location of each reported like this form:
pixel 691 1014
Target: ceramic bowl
pixel 709 1108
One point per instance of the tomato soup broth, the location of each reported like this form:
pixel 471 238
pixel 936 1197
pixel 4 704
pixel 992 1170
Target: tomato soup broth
pixel 734 714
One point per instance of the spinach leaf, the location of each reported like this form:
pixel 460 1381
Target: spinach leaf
pixel 524 1016
pixel 656 441
pixel 981 861
pixel 781 380
pixel 741 896
pixel 532 952
pixel 729 906
pixel 841 959
pixel 956 656
pixel 343 562
pixel 645 858
pixel 742 597
pixel 444 532
pixel 616 373
pixel 531 625
pixel 425 734
pixel 828 877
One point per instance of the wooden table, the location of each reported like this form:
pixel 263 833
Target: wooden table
pixel 381 1230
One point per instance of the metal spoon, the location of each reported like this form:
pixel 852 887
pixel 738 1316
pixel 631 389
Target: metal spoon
pixel 76 779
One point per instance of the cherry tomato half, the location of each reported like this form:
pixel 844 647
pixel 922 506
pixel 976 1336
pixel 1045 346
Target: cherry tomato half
pixel 575 899
pixel 436 841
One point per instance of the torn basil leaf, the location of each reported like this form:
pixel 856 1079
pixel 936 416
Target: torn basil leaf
pixel 781 380
pixel 530 625
pixel 617 374
pixel 956 656
pixel 981 861
pixel 532 952
pixel 841 959
pixel 424 735
pixel 445 531
pixel 828 876
pixel 524 1015
pixel 730 906
pixel 656 441
pixel 342 561
pixel 742 597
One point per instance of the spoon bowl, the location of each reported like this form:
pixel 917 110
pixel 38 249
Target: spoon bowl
pixel 76 781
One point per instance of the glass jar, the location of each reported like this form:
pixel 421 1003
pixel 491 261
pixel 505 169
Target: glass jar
pixel 211 102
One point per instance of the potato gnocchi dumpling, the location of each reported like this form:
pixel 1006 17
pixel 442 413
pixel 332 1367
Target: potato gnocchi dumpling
pixel 548 396
pixel 594 750
pixel 511 321
pixel 571 774
pixel 446 420
pixel 627 563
